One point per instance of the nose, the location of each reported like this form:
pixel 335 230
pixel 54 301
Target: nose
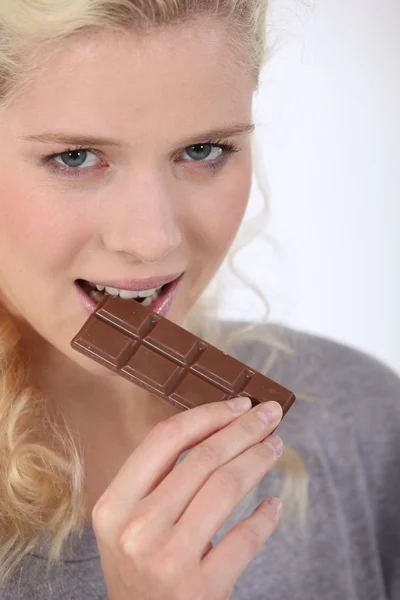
pixel 142 222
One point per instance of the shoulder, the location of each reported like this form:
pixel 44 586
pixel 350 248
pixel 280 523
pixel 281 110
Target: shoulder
pixel 317 362
pixel 345 382
pixel 343 374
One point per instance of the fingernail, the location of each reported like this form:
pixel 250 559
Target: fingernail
pixel 276 443
pixel 276 504
pixel 269 412
pixel 239 405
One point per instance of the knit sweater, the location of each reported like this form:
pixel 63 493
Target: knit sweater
pixel 345 425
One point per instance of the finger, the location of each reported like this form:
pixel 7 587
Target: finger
pixel 220 495
pixel 153 459
pixel 174 493
pixel 166 505
pixel 231 555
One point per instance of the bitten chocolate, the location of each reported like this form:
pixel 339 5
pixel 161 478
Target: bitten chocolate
pixel 167 360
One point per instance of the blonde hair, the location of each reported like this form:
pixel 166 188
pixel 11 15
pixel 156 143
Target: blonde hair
pixel 41 468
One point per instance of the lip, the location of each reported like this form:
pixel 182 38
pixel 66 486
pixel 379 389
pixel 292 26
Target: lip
pixel 160 306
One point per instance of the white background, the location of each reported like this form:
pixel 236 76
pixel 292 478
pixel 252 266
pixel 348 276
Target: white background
pixel 328 122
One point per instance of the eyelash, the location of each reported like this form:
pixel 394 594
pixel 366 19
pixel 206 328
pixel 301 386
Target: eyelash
pixel 227 147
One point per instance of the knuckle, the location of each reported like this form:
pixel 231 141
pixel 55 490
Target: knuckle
pixel 167 567
pixel 167 430
pixel 211 407
pixel 252 536
pixel 250 426
pixel 101 517
pixel 205 454
pixel 191 587
pixel 229 481
pixel 263 451
pixel 129 543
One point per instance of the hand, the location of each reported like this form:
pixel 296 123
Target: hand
pixel 154 523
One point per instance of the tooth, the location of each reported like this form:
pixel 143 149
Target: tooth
pixel 147 293
pixel 127 295
pixel 112 291
pixel 147 301
pixel 96 295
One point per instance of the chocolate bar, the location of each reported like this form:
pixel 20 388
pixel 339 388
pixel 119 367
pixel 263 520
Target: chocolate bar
pixel 167 360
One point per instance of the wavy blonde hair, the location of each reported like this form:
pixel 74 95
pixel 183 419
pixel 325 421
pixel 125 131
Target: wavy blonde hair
pixel 41 467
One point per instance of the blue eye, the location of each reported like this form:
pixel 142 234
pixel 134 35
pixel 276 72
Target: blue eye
pixel 201 152
pixel 81 161
pixel 75 158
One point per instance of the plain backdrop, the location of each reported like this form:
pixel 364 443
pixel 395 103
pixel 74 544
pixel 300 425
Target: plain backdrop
pixel 328 123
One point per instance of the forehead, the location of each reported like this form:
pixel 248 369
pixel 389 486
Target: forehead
pixel 125 80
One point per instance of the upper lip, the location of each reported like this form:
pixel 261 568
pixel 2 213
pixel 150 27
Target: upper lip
pixel 138 285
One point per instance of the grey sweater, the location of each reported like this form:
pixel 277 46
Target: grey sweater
pixel 349 439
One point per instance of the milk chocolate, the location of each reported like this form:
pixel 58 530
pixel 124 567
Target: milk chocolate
pixel 167 360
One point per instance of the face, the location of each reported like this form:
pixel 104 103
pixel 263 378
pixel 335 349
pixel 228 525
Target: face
pixel 118 166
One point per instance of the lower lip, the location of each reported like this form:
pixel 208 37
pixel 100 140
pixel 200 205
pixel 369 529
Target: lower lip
pixel 161 305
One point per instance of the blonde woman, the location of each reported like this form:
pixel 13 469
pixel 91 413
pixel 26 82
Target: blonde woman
pixel 126 164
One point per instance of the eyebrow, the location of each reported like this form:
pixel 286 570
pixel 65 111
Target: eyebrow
pixel 88 140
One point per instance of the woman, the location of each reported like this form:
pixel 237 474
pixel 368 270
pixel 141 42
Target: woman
pixel 125 146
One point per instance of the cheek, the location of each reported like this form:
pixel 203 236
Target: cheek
pixel 222 212
pixel 40 233
pixel 37 232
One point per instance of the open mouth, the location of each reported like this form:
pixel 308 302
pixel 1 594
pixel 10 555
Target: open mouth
pixel 145 297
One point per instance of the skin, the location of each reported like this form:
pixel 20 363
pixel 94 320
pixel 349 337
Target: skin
pixel 146 201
